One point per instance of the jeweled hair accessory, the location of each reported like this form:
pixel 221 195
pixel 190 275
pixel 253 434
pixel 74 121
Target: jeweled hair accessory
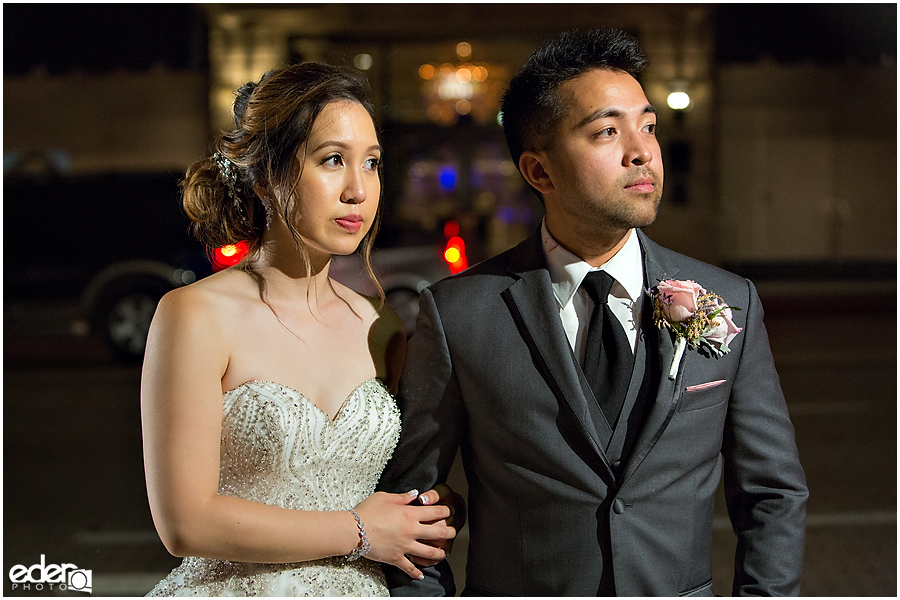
pixel 229 175
pixel 267 207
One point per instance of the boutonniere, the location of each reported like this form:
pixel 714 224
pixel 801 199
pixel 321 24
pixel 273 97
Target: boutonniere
pixel 698 318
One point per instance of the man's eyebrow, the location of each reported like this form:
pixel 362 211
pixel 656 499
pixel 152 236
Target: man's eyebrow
pixel 615 113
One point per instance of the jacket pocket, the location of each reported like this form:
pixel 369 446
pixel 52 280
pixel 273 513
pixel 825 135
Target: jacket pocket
pixel 701 590
pixel 704 386
pixel 704 395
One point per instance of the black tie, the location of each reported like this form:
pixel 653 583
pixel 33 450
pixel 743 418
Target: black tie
pixel 608 359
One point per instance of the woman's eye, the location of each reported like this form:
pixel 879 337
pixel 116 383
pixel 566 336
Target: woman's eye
pixel 372 164
pixel 335 160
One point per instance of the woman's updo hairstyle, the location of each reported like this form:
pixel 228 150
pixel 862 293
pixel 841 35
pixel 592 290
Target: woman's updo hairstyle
pixel 273 120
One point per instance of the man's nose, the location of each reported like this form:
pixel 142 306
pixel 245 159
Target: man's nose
pixel 640 152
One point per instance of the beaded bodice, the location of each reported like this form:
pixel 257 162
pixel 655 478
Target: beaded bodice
pixel 279 448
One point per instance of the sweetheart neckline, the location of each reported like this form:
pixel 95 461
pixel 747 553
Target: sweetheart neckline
pixel 307 398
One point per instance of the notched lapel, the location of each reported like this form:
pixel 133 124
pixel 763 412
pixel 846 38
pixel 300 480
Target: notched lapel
pixel 534 309
pixel 666 397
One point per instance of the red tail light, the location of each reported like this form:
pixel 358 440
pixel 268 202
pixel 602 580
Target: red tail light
pixel 229 255
pixel 451 228
pixel 455 254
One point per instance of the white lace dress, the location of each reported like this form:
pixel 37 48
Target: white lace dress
pixel 279 448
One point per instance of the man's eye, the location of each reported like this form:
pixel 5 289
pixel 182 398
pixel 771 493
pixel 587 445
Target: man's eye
pixel 650 127
pixel 606 132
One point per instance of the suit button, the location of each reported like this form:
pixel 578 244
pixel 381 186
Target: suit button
pixel 616 466
pixel 618 506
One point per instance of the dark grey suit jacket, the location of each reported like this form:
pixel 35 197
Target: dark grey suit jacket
pixel 489 369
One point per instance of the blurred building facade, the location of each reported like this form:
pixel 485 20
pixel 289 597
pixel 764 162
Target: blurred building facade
pixel 759 167
pixel 96 123
pixel 439 72
pixel 807 161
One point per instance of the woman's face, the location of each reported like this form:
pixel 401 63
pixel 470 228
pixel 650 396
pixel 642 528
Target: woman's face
pixel 338 193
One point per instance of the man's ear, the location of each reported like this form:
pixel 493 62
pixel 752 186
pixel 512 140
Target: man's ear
pixel 532 166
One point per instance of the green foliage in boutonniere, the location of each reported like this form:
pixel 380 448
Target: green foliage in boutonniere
pixel 697 317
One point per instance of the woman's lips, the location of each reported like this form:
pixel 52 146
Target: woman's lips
pixel 351 223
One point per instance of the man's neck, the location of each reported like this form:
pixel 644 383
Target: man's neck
pixel 595 248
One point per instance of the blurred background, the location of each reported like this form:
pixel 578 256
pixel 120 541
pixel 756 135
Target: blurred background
pixel 778 126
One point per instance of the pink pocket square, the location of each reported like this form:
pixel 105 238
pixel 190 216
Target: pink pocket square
pixel 703 386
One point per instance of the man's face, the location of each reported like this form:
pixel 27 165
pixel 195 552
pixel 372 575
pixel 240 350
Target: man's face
pixel 604 162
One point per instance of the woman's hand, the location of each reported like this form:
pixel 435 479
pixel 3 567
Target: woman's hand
pixel 441 494
pixel 395 529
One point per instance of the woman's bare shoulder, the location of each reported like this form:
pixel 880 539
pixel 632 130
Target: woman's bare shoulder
pixel 390 330
pixel 210 299
pixel 362 305
pixel 371 309
pixel 383 322
pixel 389 322
pixel 386 333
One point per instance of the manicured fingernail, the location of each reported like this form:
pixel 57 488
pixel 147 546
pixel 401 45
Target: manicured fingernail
pixel 413 493
pixel 424 499
pixel 420 577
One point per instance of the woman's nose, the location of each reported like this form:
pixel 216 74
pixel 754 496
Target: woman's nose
pixel 354 190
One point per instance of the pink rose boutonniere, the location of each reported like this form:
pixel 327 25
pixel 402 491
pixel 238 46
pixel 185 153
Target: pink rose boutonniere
pixel 698 318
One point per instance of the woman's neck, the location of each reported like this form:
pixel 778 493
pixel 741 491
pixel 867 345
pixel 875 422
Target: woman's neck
pixel 284 269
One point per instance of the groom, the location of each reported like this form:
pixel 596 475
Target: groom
pixel 591 467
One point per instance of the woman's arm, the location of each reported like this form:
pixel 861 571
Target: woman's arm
pixel 181 407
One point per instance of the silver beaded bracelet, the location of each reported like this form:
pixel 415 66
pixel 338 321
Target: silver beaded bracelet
pixel 364 546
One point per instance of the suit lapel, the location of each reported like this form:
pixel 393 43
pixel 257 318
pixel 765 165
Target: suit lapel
pixel 530 299
pixel 663 407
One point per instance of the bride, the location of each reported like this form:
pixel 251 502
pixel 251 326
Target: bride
pixel 266 389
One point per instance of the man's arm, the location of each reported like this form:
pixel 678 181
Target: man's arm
pixel 765 487
pixel 433 421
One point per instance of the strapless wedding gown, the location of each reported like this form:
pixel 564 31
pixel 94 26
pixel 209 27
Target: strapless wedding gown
pixel 279 448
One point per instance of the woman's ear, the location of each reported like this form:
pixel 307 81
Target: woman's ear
pixel 533 168
pixel 260 190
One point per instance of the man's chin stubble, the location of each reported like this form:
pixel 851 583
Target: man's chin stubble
pixel 637 216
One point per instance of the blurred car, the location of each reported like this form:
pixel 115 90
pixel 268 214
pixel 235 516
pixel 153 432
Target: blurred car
pixel 94 254
pixel 107 247
pixel 403 270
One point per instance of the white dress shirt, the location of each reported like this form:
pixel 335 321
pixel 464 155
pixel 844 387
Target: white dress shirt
pixel 575 306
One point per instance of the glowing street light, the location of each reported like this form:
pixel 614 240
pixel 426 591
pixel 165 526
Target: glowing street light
pixel 678 98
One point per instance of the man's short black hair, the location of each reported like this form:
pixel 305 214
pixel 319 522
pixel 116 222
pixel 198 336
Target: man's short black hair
pixel 532 108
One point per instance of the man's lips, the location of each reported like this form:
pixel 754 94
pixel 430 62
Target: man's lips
pixel 641 186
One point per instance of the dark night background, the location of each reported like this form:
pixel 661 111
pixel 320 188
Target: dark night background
pixel 73 479
pixel 103 37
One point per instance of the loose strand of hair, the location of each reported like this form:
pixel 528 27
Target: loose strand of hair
pixel 366 254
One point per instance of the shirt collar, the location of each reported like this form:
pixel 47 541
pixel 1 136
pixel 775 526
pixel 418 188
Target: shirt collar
pixel 567 270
